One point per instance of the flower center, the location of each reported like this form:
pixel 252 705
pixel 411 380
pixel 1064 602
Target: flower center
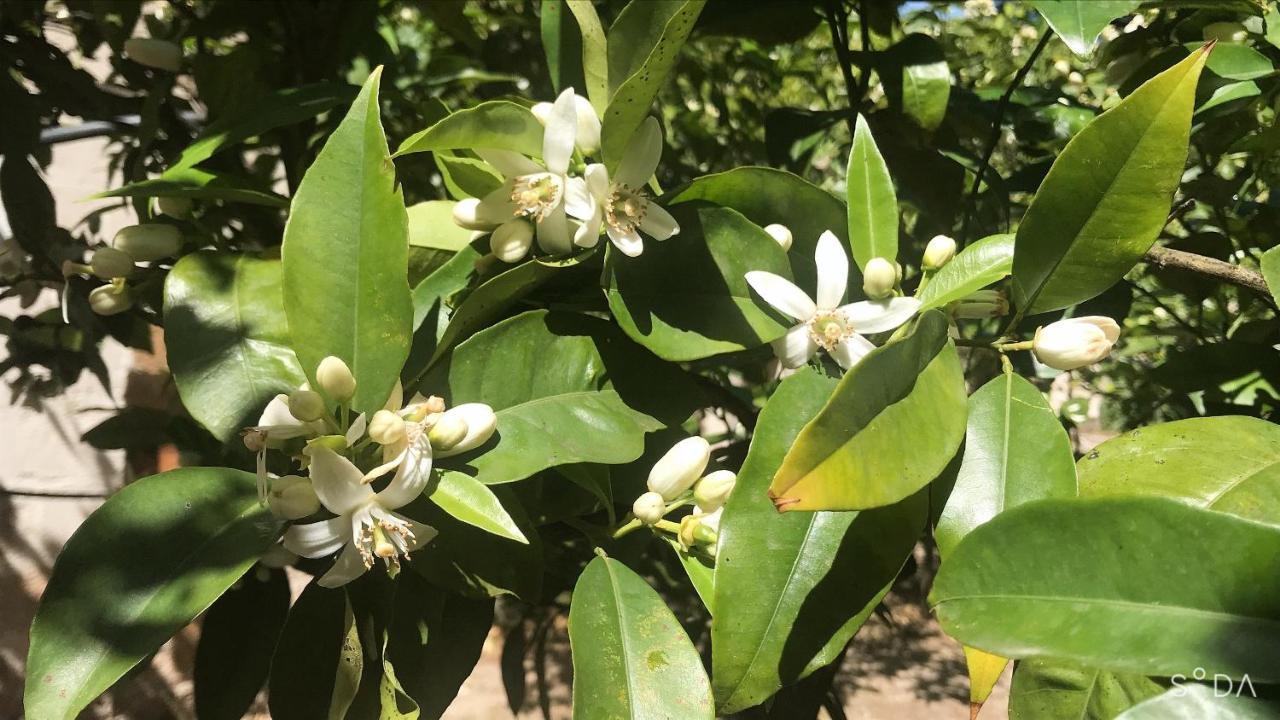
pixel 383 535
pixel 535 196
pixel 829 328
pixel 626 208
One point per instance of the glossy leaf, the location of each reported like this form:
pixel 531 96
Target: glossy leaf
pixel 766 196
pixel 466 177
pixel 917 79
pixel 667 25
pixel 1049 690
pixel 872 202
pixel 1236 61
pixel 1185 460
pixel 304 670
pixel 495 125
pixel 687 298
pixel 237 638
pixel 701 572
pixel 346 289
pixel 1229 699
pixel 1079 22
pixel 1015 451
pixel 1100 582
pixel 146 563
pixel 431 226
pixel 792 588
pixel 562 43
pixel 473 562
pixel 1107 195
pixel 986 261
pixel 631 657
pixel 893 424
pixel 595 53
pixel 199 184
pixel 1230 92
pixel 227 341
pixel 470 501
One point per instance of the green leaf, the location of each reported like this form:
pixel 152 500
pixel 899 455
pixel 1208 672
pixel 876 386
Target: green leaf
pixel 307 662
pixel 917 79
pixel 228 343
pixel 432 305
pixel 766 196
pixel 496 124
pixel 873 204
pixel 434 640
pixel 663 27
pixel 1107 196
pixel 1271 267
pixel 472 502
pixel 1015 451
pixel 893 424
pixel 477 563
pixel 701 572
pixel 1185 460
pixel 1227 699
pixel 431 226
pixel 1079 22
pixel 595 53
pixel 346 289
pixel 792 588
pixel 562 43
pixel 1049 690
pixel 466 177
pixel 200 184
pixel 1235 61
pixel 1102 581
pixel 687 298
pixel 237 638
pixel 1230 92
pixel 593 404
pixel 631 657
pixel 986 261
pixel 142 566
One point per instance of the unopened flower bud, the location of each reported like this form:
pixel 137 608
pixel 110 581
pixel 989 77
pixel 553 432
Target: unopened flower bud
pixel 174 206
pixel 780 233
pixel 149 242
pixel 587 137
pixel 479 420
pixel 649 508
pixel 306 405
pixel 448 431
pixel 511 241
pixel 335 379
pixel 712 491
pixel 386 428
pixel 160 54
pixel 109 263
pixel 981 304
pixel 695 532
pixel 1075 342
pixel 680 468
pixel 110 299
pixel 938 252
pixel 1230 32
pixel 879 278
pixel 471 215
pixel 292 497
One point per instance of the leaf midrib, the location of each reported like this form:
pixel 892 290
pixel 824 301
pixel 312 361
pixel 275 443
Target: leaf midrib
pixel 1170 609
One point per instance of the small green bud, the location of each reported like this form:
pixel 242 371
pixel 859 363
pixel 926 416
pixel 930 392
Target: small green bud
pixel 306 405
pixel 160 54
pixel 336 443
pixel 695 532
pixel 448 431
pixel 174 207
pixel 110 299
pixel 335 379
pixel 110 263
pixel 879 278
pixel 938 252
pixel 649 508
pixel 386 428
pixel 149 242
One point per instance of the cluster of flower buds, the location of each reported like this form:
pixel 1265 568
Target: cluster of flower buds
pixel 117 262
pixel 676 480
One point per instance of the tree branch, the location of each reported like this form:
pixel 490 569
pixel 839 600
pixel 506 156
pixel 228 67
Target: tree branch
pixel 838 23
pixel 1224 271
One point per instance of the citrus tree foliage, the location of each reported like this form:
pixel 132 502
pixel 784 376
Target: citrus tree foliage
pixel 686 319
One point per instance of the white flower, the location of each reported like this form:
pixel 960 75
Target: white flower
pixel 531 193
pixel 365 527
pixel 588 139
pixel 677 470
pixel 824 322
pixel 1075 342
pixel 619 204
pixel 409 450
pixel 275 425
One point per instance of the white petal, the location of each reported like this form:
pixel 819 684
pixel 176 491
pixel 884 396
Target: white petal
pixel 411 478
pixel 512 240
pixel 481 423
pixel 782 294
pixel 588 234
pixel 658 223
pixel 796 347
pixel 510 164
pixel 276 413
pixel 641 157
pixel 833 271
pixel 578 201
pixel 339 484
pixel 597 181
pixel 318 539
pixel 852 349
pixel 356 431
pixel 348 567
pixel 553 233
pixel 629 241
pixel 588 125
pixel 396 400
pixel 562 129
pixel 870 317
pixel 392 457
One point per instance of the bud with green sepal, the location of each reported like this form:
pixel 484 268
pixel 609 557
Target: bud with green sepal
pixel 335 379
pixel 111 299
pixel 937 253
pixel 879 279
pixel 292 498
pixel 149 242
